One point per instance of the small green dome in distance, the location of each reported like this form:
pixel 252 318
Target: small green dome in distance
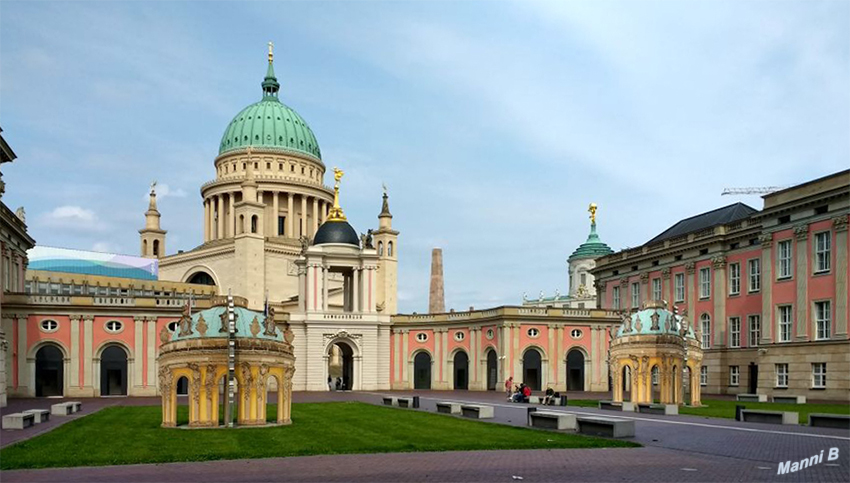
pixel 592 248
pixel 270 124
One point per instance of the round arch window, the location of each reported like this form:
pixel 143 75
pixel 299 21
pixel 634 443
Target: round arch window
pixel 114 326
pixel 421 337
pixel 459 336
pixel 49 326
pixel 576 333
pixel 533 332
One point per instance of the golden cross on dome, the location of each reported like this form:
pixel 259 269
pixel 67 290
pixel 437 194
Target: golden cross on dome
pixel 271 51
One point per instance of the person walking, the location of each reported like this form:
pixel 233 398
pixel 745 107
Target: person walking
pixel 509 385
pixel 330 383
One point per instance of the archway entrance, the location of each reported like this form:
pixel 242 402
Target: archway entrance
pixel 627 383
pixel 49 374
pixel 341 366
pixel 461 370
pixel 531 369
pixel 575 370
pixel 113 372
pixel 492 370
pixel 422 371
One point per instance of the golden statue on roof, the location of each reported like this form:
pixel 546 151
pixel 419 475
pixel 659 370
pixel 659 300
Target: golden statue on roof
pixel 592 210
pixel 335 213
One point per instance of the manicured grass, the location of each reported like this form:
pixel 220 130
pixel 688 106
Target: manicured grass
pixel 718 408
pixel 132 434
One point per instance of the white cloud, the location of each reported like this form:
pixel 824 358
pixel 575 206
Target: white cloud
pixel 105 247
pixel 73 218
pixel 164 191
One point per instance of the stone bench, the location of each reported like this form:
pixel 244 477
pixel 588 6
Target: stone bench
pixel 477 411
pixel 75 405
pixel 18 421
pixel 41 415
pixel 552 420
pixel 448 407
pixel 771 417
pixel 404 402
pixel 617 406
pixel 822 420
pixel 751 397
pixel 790 399
pixel 62 409
pixel 610 427
pixel 390 401
pixel 665 409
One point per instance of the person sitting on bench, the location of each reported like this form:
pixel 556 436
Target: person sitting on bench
pixel 526 393
pixel 550 394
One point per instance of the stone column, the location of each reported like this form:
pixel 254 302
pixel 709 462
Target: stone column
pixel 302 289
pixel 355 278
pixel 304 215
pixel 325 283
pixel 88 336
pixel 150 322
pixel 220 233
pixel 802 275
pixel 690 268
pixel 323 208
pixel 231 214
pixel 138 350
pixel 666 292
pixel 766 264
pixel 839 224
pixel 403 356
pixel 275 231
pixel 437 364
pixel 206 220
pixel 719 298
pixel 308 298
pixel 290 216
pixel 445 358
pixel 553 356
pixel 315 224
pixel 76 320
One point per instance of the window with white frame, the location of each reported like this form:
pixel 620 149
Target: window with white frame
pixel 704 283
pixel 754 274
pixel 49 325
pixel 615 297
pixel 781 375
pixel 459 336
pixel 576 333
pixel 679 287
pixel 819 375
pixel 734 332
pixel 703 376
pixel 421 337
pixel 654 375
pixel 114 326
pixel 734 278
pixel 533 332
pixel 656 289
pixel 785 322
pixel 734 375
pixel 705 325
pixel 783 259
pixel 822 320
pixel 822 249
pixel 636 295
pixel 754 324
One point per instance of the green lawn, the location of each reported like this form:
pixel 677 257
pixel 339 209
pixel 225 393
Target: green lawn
pixel 132 434
pixel 717 408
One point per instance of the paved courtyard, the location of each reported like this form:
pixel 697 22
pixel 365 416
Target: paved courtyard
pixel 676 448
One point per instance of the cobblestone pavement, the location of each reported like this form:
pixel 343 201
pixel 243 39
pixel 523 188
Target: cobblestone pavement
pixel 677 448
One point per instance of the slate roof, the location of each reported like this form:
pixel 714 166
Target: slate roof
pixel 720 216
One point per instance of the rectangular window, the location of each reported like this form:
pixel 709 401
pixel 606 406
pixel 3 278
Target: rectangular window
pixel 281 222
pixel 655 376
pixel 784 259
pixel 822 320
pixel 734 331
pixel 734 375
pixel 584 279
pixel 822 249
pixel 679 287
pixel 656 289
pixel 706 331
pixel 615 297
pixel 785 322
pixel 819 375
pixel 754 323
pixel 734 278
pixel 703 376
pixel 636 295
pixel 754 270
pixel 781 375
pixel 704 283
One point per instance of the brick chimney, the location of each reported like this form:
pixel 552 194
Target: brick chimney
pixel 437 300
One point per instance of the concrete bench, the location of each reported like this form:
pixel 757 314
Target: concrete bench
pixel 62 409
pixel 41 415
pixel 18 421
pixel 617 406
pixel 751 397
pixel 477 411
pixel 448 408
pixel 790 399
pixel 821 420
pixel 610 427
pixel 665 409
pixel 390 401
pixel 75 405
pixel 404 402
pixel 552 420
pixel 771 417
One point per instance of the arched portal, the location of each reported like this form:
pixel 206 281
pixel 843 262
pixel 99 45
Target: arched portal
pixel 113 372
pixel 531 369
pixel 422 371
pixel 461 370
pixel 341 366
pixel 49 375
pixel 201 278
pixel 627 383
pixel 575 370
pixel 182 402
pixel 492 370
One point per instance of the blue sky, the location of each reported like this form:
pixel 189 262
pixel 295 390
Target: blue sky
pixel 494 124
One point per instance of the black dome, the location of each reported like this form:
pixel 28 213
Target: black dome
pixel 336 232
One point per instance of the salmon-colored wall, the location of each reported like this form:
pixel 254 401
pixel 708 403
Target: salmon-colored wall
pixel 35 335
pixel 745 303
pixel 820 286
pixel 100 336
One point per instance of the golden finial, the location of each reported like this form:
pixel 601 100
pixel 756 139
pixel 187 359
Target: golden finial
pixel 336 213
pixel 592 210
pixel 271 51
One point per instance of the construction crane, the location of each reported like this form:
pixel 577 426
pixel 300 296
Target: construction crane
pixel 752 191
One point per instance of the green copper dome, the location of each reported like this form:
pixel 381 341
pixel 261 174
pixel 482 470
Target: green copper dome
pixel 270 124
pixel 592 248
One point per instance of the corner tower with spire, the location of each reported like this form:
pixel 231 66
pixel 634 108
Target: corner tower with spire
pixel 386 241
pixel 152 236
